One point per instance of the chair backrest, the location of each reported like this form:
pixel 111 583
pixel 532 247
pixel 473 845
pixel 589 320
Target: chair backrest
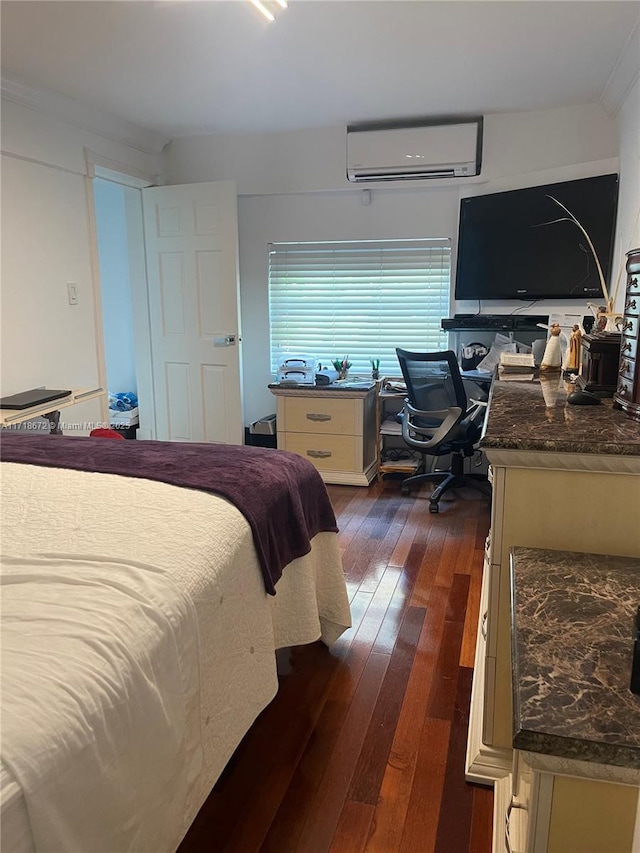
pixel 433 380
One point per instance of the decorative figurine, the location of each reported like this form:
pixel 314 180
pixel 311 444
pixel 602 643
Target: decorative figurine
pixel 572 358
pixel 552 358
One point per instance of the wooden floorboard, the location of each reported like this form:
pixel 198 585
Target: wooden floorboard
pixel 362 749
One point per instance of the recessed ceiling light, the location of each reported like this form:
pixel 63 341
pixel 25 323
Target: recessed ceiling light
pixel 263 7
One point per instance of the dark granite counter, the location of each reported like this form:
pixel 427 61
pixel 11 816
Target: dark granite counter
pixel 572 618
pixel 351 388
pixel 534 415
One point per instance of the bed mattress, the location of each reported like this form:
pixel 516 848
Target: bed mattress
pixel 206 545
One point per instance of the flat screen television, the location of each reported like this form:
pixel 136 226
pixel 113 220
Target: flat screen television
pixel 510 245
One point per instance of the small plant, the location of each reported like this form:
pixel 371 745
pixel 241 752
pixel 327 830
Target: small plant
pixel 342 366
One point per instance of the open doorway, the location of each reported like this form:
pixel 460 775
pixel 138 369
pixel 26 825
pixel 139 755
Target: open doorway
pixel 116 199
pixel 117 310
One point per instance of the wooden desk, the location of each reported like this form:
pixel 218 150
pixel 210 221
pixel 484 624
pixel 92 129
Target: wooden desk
pixel 17 416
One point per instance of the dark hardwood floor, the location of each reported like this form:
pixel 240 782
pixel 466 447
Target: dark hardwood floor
pixel 363 747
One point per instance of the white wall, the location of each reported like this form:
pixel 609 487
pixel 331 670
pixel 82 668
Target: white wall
pixel 292 186
pixel 115 285
pixel 47 241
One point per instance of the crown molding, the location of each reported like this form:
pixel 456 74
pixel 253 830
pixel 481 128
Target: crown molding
pixel 624 75
pixel 81 115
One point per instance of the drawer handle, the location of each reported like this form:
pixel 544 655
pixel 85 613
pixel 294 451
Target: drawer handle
pixel 313 416
pixel 627 326
pixel 622 388
pixel 483 626
pixel 319 454
pixel 631 304
pixel 626 347
pixel 507 820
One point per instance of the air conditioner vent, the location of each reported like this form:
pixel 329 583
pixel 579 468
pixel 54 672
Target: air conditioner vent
pixel 446 148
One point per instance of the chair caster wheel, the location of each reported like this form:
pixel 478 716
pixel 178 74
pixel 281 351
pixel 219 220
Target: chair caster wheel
pixel 433 507
pixel 405 490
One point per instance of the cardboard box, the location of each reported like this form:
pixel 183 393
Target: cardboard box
pixel 264 426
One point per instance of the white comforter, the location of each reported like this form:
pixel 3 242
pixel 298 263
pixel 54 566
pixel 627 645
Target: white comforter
pixel 100 722
pixel 204 545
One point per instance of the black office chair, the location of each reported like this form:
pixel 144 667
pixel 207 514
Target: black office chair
pixel 437 421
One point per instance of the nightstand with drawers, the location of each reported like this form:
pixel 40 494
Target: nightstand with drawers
pixel 335 429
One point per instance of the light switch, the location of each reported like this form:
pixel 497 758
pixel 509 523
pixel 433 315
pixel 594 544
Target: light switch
pixel 72 290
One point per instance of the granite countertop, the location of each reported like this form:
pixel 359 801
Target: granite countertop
pixel 572 648
pixel 534 415
pixel 354 387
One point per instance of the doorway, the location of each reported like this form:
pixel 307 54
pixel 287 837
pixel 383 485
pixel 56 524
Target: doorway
pixel 119 230
pixel 169 294
pixel 117 312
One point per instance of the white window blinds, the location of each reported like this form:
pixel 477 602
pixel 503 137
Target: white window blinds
pixel 330 300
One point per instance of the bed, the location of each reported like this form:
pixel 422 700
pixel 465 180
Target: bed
pixel 109 542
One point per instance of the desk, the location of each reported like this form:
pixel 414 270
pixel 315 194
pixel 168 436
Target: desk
pixel 564 477
pixel 17 416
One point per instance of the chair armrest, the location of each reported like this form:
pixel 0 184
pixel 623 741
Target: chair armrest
pixel 477 408
pixel 450 417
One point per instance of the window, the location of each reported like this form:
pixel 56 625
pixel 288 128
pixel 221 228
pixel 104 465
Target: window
pixel 363 300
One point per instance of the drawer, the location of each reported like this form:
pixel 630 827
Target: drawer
pixel 326 452
pixel 324 415
pixel 627 367
pixel 625 389
pixel 630 327
pixel 633 286
pixel 632 303
pixel 629 347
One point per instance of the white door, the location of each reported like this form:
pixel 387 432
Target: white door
pixel 191 237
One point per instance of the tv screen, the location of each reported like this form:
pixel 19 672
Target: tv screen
pixel 522 245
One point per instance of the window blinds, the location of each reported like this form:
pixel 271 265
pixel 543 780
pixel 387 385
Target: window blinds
pixel 330 300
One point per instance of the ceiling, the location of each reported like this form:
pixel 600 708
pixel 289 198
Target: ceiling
pixel 215 66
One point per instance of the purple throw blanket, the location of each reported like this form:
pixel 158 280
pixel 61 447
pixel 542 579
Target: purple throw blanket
pixel 281 495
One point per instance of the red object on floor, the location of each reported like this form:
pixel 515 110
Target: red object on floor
pixel 106 433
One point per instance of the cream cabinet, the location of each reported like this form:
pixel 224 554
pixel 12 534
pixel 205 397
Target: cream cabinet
pixel 567 502
pixel 334 429
pixel 563 478
pixel 549 805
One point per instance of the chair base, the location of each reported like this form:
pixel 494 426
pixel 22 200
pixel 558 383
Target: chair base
pixel 445 480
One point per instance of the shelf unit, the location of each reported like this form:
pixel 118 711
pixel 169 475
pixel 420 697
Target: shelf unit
pixel 389 403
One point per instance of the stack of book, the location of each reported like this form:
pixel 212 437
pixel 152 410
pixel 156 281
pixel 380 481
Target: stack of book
pixel 519 366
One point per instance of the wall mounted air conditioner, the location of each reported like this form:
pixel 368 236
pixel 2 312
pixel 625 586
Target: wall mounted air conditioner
pixel 417 150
